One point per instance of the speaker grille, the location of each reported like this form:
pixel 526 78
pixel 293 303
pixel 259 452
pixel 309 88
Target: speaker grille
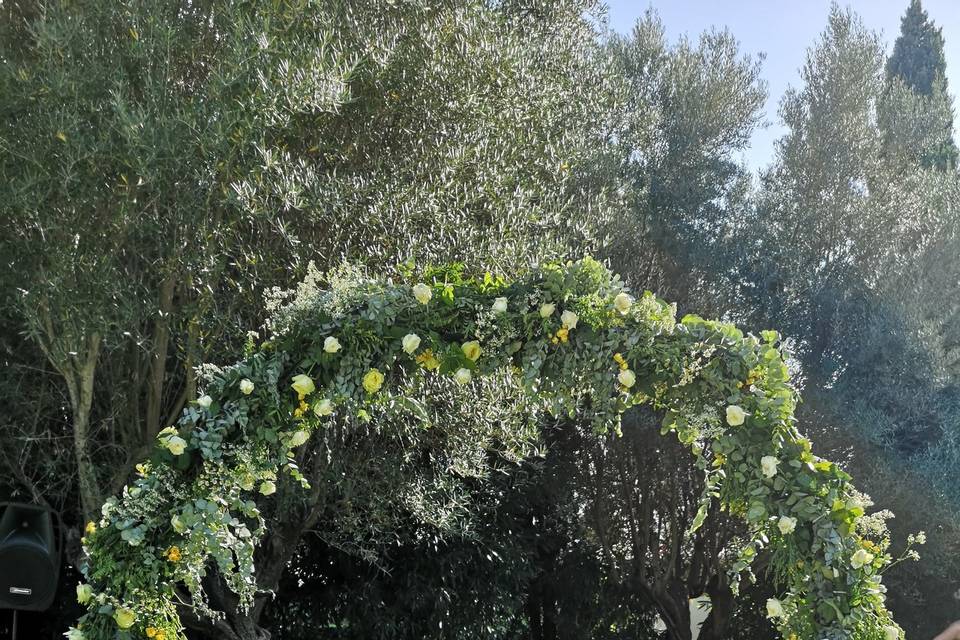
pixel 27 576
pixel 29 569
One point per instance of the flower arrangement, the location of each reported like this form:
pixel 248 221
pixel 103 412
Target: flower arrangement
pixel 580 346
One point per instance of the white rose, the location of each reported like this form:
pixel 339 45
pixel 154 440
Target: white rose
pixel 331 344
pixel 769 466
pixel 547 309
pixel 860 558
pixel 84 593
pixel 774 608
pixel 622 303
pixel 422 293
pixel 787 524
pixel 268 487
pixel 205 401
pixel 500 305
pixel 177 524
pixel 323 408
pixel 569 319
pixel 176 445
pixel 298 438
pixel 411 342
pixel 462 375
pixel 246 386
pixel 735 415
pixel 891 632
pixel 627 378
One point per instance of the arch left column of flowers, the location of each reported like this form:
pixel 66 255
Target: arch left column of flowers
pixel 581 346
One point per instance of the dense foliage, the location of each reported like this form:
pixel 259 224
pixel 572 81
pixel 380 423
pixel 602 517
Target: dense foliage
pixel 579 346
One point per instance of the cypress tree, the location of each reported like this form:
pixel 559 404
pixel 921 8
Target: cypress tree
pixel 917 55
pixel 917 64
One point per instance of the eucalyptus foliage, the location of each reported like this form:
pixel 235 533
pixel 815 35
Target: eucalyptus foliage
pixel 578 344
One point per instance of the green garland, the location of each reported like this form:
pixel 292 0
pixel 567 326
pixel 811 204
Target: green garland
pixel 579 344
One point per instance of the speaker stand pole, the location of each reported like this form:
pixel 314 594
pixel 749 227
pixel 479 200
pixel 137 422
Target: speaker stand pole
pixel 14 624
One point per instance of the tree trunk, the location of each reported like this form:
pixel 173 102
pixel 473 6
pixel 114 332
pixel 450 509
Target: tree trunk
pixel 158 359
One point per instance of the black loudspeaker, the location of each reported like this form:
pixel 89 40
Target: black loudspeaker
pixel 30 550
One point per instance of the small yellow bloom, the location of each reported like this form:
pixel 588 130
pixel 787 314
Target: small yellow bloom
pixel 91 528
pixel 471 350
pixel 563 334
pixel 428 360
pixel 373 380
pixel 151 632
pixel 173 554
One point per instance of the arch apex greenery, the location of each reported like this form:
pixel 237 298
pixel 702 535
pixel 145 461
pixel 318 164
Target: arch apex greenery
pixel 580 345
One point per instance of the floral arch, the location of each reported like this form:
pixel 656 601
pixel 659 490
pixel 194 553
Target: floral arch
pixel 580 344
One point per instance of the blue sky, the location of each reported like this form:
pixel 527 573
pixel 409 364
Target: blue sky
pixel 784 29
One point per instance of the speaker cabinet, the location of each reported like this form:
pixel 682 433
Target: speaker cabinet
pixel 29 557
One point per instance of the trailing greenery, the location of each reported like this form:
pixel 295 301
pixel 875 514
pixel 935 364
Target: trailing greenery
pixel 579 345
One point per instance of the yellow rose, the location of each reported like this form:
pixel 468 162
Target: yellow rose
pixel 422 293
pixel 303 384
pixel 735 415
pixel 298 438
pixel 471 350
pixel 373 380
pixel 323 408
pixel 173 554
pixel 124 617
pixel 411 342
pixel 860 558
pixel 462 375
pixel 268 487
pixel 246 386
pixel 91 528
pixel 622 303
pixel 768 465
pixel 787 525
pixel 774 608
pixel 175 445
pixel 331 345
pixel 84 593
